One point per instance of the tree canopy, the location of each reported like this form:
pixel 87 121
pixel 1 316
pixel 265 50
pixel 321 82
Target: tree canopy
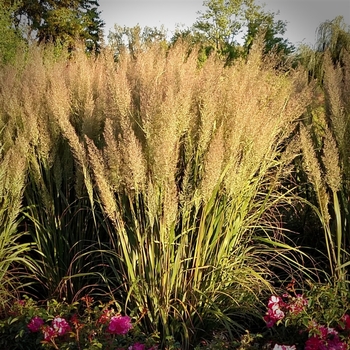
pixel 61 21
pixel 11 37
pixel 225 23
pixel 333 38
pixel 134 38
pixel 272 31
pixel 223 20
pixel 333 35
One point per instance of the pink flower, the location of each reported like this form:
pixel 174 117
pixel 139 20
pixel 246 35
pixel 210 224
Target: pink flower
pixel 35 324
pixel 313 343
pixel 326 339
pixel 270 322
pixel 336 345
pixel 275 300
pixel 21 302
pixel 278 307
pixel 119 325
pixel 49 333
pixel 284 347
pixel 346 321
pixel 274 312
pixel 137 346
pixel 60 325
pixel 327 332
pixel 298 304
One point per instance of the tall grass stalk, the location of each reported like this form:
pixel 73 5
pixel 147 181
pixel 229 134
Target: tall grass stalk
pixel 325 144
pixel 337 103
pixel 14 263
pixel 57 200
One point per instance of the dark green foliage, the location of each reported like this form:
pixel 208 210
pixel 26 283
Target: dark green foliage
pixel 272 31
pixel 62 22
pixel 219 28
pixel 327 303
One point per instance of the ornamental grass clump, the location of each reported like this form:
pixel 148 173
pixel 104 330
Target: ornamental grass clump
pixel 56 200
pixel 324 138
pixel 158 181
pixel 209 180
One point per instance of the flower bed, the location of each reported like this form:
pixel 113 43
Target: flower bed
pixel 293 322
pixel 76 326
pixel 319 337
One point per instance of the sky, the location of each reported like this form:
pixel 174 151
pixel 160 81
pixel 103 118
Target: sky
pixel 302 16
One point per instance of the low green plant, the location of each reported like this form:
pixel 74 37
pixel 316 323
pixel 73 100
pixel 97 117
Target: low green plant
pixel 327 303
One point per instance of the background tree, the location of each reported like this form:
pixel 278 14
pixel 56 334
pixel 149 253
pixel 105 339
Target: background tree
pixel 272 30
pixel 135 38
pixel 335 36
pixel 62 22
pixel 224 23
pixel 11 38
pixel 332 36
pixel 194 39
